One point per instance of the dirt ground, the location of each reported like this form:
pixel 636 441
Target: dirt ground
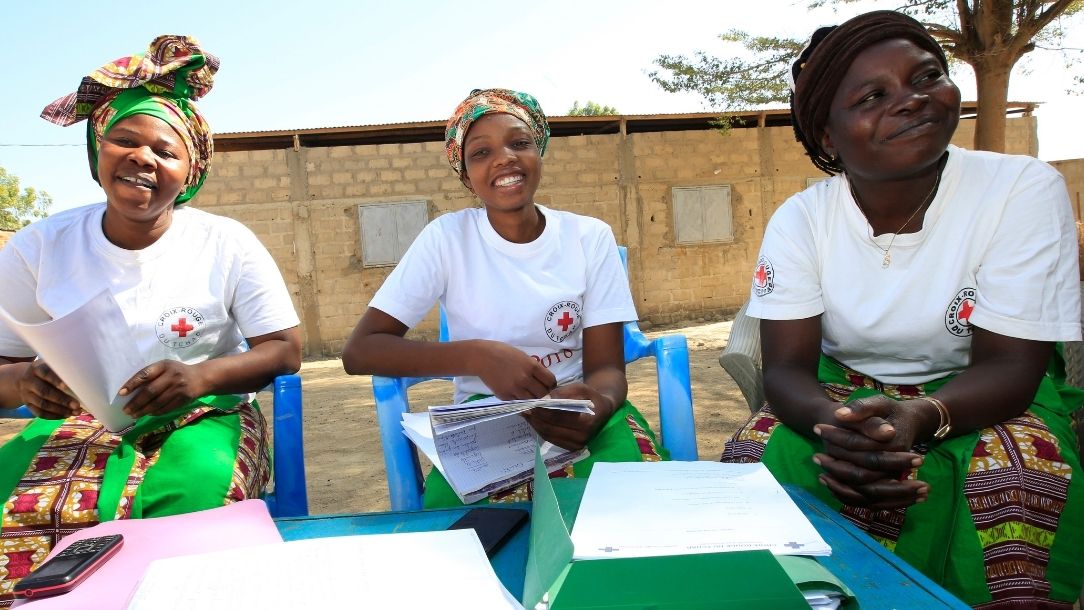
pixel 343 459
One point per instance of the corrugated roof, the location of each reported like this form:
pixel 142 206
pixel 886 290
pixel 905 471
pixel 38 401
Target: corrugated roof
pixel 560 126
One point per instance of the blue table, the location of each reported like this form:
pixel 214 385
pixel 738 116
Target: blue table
pixel 877 577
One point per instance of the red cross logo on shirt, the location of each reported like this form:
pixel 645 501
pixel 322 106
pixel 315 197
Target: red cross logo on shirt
pixel 562 320
pixel 965 311
pixel 182 327
pixel 565 321
pixel 958 314
pixel 763 277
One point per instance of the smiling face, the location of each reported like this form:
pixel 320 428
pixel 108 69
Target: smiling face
pixel 502 164
pixel 894 112
pixel 142 167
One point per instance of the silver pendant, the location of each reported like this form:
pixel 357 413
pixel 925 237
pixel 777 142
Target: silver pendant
pixel 886 261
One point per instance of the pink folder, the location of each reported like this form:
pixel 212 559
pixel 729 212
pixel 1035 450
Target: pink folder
pixel 235 525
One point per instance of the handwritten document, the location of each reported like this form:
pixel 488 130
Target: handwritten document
pixel 644 509
pixel 92 350
pixel 374 571
pixel 490 454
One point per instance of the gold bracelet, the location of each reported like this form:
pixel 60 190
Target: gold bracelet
pixel 945 425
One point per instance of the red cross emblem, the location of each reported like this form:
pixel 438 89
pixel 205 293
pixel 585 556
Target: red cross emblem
pixel 182 327
pixel 761 275
pixel 965 312
pixel 565 321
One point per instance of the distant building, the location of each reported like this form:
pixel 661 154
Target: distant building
pixel 338 206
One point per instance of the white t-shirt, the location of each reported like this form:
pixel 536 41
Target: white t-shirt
pixel 537 297
pixel 997 250
pixel 194 294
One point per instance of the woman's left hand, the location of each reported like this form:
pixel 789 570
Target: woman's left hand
pixel 868 455
pixel 162 387
pixel 568 429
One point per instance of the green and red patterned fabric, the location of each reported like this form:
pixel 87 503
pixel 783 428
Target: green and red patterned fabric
pixel 162 82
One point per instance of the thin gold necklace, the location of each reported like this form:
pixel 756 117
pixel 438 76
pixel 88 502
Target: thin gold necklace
pixel 887 260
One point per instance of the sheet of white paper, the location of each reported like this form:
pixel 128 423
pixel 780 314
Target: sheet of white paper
pixel 642 509
pixel 376 571
pixel 92 350
pixel 448 418
pixel 418 429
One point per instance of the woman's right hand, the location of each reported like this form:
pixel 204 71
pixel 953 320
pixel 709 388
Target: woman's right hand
pixel 866 455
pixel 509 373
pixel 43 392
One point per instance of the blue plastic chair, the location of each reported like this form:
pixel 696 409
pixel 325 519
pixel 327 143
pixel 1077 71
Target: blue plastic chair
pixel 677 434
pixel 289 497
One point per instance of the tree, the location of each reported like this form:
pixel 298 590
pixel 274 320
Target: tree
pixel 989 35
pixel 590 109
pixel 19 207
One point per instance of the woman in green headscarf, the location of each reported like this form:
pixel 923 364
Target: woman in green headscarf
pixel 194 288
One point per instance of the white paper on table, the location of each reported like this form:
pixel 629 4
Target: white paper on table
pixel 643 509
pixel 374 571
pixel 449 418
pixel 509 442
pixel 92 350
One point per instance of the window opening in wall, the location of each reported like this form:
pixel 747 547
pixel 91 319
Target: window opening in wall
pixel 388 229
pixel 702 214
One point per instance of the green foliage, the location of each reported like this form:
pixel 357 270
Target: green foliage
pixel 591 109
pixel 19 207
pixel 990 36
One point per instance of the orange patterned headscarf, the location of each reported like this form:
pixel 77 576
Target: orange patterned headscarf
pixel 163 82
pixel 481 102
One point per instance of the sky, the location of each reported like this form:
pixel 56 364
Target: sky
pixel 321 63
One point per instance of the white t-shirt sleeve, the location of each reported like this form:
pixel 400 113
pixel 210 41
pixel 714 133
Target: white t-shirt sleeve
pixel 418 281
pixel 1029 280
pixel 786 280
pixel 17 298
pixel 607 298
pixel 261 302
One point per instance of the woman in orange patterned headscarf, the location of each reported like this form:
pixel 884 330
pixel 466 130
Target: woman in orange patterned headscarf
pixel 535 299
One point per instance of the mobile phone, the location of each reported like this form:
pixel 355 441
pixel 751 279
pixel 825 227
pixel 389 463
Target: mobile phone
pixel 69 567
pixel 494 526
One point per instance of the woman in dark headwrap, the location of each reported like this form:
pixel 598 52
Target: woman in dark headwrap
pixel 535 298
pixel 193 288
pixel 924 286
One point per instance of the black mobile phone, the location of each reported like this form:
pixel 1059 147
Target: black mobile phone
pixel 69 567
pixel 493 525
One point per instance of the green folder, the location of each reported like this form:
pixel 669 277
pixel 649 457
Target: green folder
pixel 748 579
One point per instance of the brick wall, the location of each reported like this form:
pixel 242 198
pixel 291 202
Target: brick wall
pixel 1073 170
pixel 302 203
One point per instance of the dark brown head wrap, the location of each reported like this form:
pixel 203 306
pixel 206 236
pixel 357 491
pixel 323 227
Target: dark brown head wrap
pixel 820 69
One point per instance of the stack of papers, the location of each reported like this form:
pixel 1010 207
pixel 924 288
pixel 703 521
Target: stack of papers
pixel 375 571
pixel 645 509
pixel 484 446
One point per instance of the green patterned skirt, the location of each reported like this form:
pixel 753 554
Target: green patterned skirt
pixel 1003 526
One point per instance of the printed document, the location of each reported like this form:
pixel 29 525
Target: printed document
pixel 92 350
pixel 485 456
pixel 642 509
